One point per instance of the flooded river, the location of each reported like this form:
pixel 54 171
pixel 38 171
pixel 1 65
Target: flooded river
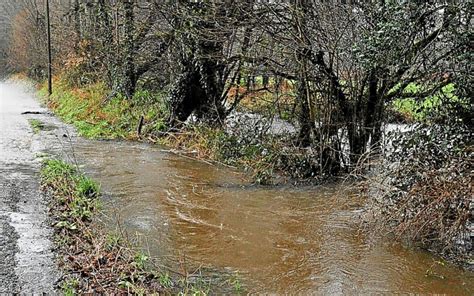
pixel 285 239
pixel 276 239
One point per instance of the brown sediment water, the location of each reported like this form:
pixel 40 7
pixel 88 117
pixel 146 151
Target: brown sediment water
pixel 277 239
pixel 282 240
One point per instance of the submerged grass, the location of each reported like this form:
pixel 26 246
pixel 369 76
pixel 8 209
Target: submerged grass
pixel 95 261
pixel 36 125
pixel 269 159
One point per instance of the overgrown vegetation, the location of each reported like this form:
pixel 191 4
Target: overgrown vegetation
pixel 268 158
pixel 248 145
pixel 95 261
pixel 425 190
pixel 96 116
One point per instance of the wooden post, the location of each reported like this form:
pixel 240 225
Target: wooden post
pixel 140 126
pixel 48 28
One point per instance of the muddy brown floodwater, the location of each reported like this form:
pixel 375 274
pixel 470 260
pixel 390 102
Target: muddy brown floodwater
pixel 278 240
pixel 281 240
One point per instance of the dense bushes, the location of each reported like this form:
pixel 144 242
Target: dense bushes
pixel 426 189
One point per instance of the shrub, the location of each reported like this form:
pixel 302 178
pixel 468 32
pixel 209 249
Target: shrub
pixel 426 189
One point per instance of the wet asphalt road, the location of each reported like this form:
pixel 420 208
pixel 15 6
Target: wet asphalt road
pixel 26 258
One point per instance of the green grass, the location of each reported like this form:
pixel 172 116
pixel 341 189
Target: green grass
pixel 165 280
pixel 420 109
pixel 237 285
pixel 113 240
pixel 56 170
pixel 76 191
pixel 95 116
pixel 36 125
pixel 86 187
pixel 69 287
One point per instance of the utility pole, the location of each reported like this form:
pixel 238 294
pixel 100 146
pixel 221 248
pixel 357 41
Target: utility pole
pixel 48 25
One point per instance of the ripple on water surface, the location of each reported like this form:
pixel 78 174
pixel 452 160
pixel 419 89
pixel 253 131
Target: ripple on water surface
pixel 280 239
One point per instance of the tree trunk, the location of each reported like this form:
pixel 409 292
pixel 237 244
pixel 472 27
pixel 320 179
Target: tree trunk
pixel 303 51
pixel 105 37
pixel 77 21
pixel 186 94
pixel 306 124
pixel 129 81
pixel 200 86
pixel 197 90
pixel 367 121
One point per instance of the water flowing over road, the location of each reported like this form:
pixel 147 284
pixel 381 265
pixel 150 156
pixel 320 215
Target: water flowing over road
pixel 301 240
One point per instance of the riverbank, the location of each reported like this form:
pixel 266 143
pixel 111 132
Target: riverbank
pixel 264 148
pixel 94 260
